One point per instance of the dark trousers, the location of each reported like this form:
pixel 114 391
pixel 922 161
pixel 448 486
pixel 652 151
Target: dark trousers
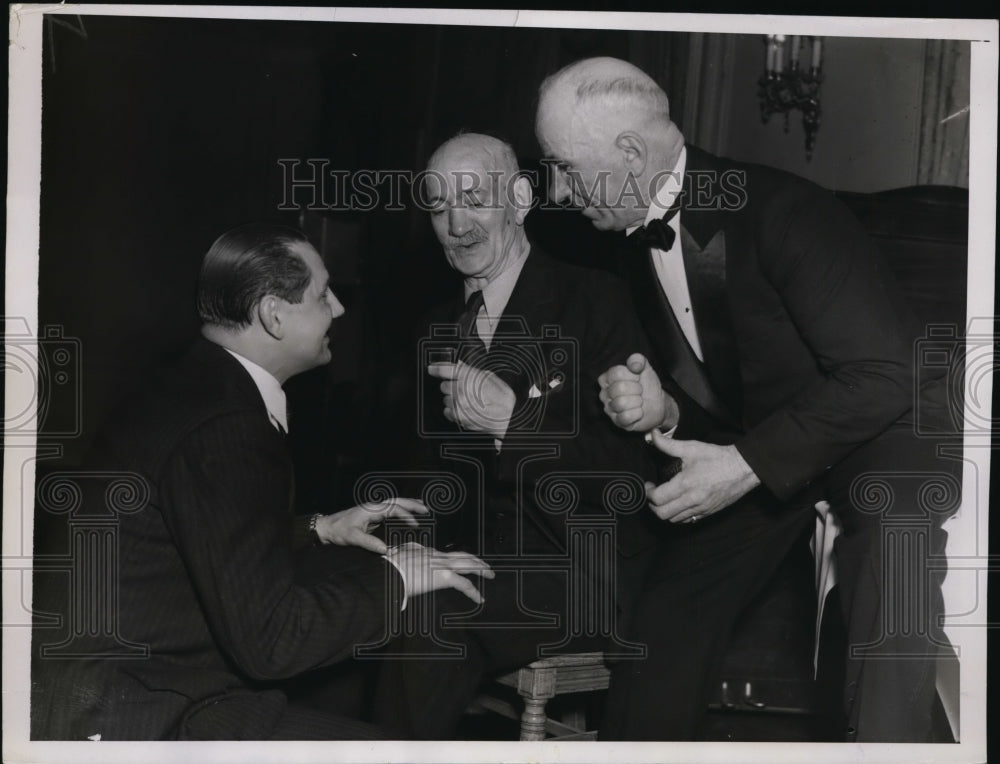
pixel 430 675
pixel 216 721
pixel 891 497
pixel 700 581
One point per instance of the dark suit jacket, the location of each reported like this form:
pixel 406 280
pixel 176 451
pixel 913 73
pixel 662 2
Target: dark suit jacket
pixel 807 343
pixel 561 329
pixel 808 369
pixel 206 572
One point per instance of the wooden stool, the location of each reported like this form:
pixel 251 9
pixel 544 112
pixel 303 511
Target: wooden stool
pixel 544 679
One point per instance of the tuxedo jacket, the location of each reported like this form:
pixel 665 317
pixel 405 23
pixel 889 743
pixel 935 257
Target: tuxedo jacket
pixel 808 345
pixel 561 460
pixel 206 573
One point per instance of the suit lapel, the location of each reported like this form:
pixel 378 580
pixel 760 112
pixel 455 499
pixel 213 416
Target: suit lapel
pixel 705 269
pixel 529 302
pixel 527 310
pixel 667 338
pixel 517 356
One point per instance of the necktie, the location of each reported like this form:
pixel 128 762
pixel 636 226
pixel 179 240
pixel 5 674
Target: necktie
pixel 470 345
pixel 656 233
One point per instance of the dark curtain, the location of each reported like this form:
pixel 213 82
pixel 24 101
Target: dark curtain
pixel 943 157
pixel 159 134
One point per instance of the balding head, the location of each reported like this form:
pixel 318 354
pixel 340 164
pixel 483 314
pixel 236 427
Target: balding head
pixel 494 154
pixel 606 126
pixel 615 86
pixel 478 202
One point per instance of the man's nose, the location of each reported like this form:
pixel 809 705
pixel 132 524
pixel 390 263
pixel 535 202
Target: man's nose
pixel 336 307
pixel 458 222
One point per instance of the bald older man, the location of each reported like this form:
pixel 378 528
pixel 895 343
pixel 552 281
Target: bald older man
pixel 514 411
pixel 782 375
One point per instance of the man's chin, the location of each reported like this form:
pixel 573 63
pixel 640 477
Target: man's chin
pixel 325 355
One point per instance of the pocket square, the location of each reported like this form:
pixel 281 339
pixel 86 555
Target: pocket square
pixel 553 385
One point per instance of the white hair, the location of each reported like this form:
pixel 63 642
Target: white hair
pixel 613 83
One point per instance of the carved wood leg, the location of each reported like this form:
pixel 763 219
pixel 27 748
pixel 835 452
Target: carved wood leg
pixel 533 719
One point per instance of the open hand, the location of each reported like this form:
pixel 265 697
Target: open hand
pixel 352 527
pixel 711 478
pixel 425 570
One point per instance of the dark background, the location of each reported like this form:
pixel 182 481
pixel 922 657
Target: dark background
pixel 160 134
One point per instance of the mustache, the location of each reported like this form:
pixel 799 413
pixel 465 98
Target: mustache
pixel 475 237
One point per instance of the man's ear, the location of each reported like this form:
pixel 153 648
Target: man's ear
pixel 269 315
pixel 634 151
pixel 523 198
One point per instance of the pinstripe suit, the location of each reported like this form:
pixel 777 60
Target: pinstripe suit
pixel 208 578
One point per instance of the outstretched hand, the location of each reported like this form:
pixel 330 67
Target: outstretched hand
pixel 711 478
pixel 425 570
pixel 352 527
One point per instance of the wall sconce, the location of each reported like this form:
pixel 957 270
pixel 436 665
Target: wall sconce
pixel 782 88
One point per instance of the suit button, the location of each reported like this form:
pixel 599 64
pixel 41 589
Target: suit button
pixel 501 538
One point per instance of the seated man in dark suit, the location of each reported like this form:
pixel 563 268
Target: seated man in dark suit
pixel 781 337
pixel 209 578
pixel 509 403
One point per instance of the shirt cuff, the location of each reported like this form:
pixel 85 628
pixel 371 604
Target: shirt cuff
pixel 402 575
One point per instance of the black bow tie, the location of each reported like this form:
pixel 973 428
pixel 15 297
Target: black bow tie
pixel 656 234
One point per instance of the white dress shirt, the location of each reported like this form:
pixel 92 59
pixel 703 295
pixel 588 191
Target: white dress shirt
pixel 277 412
pixel 496 295
pixel 270 391
pixel 670 265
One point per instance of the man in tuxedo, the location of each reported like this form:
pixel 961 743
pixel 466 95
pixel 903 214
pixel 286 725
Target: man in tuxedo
pixel 219 597
pixel 786 355
pixel 510 405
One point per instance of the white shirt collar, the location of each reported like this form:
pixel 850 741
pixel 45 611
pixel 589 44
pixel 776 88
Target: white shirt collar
pixel 665 195
pixel 270 390
pixel 496 294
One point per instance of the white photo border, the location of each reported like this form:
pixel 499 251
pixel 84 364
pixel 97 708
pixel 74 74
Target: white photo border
pixel 24 162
